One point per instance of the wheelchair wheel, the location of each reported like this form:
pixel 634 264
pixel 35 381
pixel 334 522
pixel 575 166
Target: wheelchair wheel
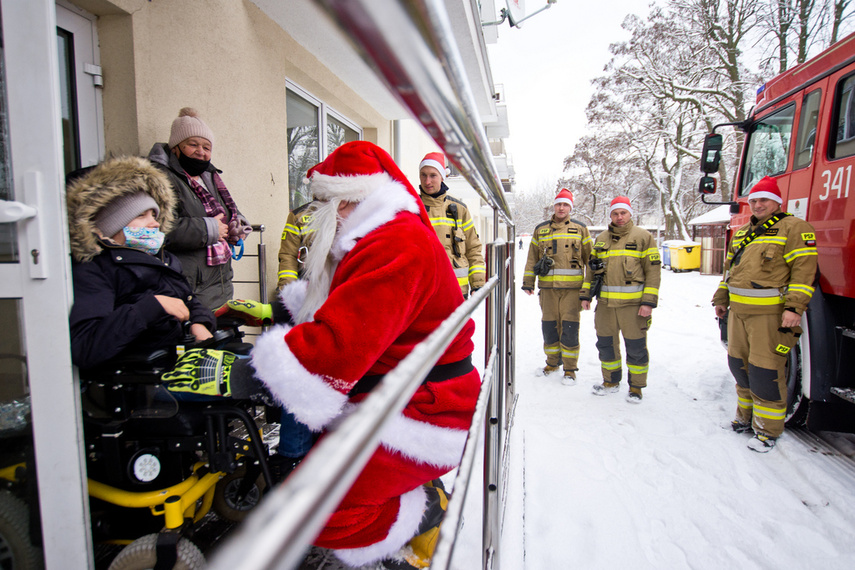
pixel 226 502
pixel 16 550
pixel 141 554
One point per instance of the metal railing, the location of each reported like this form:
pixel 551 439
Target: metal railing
pixel 427 77
pixel 261 257
pixel 278 532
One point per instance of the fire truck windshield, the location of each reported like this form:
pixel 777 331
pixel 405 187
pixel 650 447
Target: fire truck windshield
pixel 768 147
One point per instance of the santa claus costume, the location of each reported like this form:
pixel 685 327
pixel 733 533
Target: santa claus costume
pixel 384 286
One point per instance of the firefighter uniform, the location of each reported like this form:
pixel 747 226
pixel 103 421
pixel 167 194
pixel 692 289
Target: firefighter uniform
pixel 457 234
pixel 766 272
pixel 568 244
pixel 293 247
pixel 632 271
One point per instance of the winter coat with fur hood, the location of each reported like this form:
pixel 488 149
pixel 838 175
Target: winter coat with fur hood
pixel 115 310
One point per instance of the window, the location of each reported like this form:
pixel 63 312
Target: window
pixel 314 131
pixel 768 147
pixel 807 129
pixel 844 111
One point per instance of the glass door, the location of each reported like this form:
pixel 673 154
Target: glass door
pixel 40 433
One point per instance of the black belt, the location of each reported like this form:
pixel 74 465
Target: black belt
pixel 438 373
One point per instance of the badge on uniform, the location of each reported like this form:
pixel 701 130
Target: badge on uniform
pixel 809 238
pixel 782 350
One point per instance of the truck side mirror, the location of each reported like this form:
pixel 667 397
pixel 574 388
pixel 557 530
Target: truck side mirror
pixel 707 185
pixel 711 154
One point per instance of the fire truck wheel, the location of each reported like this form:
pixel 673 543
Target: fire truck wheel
pixel 141 554
pixel 797 403
pixel 16 550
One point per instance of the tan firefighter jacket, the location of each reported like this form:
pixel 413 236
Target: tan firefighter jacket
pixel 294 246
pixel 457 234
pixel 632 266
pixel 568 244
pixel 775 271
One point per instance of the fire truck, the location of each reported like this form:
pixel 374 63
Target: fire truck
pixel 802 132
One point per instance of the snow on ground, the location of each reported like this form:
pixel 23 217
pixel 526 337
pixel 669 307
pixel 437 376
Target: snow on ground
pixel 597 482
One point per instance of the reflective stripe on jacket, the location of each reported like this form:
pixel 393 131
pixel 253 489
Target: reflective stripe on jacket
pixel 469 266
pixel 632 266
pixel 775 271
pixel 568 243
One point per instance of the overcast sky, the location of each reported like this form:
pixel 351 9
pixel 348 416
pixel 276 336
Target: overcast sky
pixel 546 66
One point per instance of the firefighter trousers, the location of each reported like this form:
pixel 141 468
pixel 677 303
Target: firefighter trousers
pixel 561 310
pixel 757 353
pixel 610 323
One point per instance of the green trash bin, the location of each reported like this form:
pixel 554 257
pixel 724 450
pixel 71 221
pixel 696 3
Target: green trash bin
pixel 685 256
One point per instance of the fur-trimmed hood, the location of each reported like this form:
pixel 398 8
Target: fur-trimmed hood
pixel 87 195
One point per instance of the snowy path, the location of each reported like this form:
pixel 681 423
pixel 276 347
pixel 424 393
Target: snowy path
pixel 597 482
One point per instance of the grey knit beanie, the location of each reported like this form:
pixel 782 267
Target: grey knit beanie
pixel 117 214
pixel 188 124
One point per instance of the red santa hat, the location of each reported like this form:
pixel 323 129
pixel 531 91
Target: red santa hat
pixel 564 196
pixel 436 160
pixel 766 187
pixel 620 203
pixel 354 171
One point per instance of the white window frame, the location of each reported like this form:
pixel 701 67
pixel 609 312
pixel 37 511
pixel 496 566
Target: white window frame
pixel 324 110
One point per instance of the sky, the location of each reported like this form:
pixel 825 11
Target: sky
pixel 598 483
pixel 546 67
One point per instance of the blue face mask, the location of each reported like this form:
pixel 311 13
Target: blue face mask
pixel 149 240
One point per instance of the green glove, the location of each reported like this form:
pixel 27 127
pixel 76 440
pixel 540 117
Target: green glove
pixel 255 314
pixel 201 371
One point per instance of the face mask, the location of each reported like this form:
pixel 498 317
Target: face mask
pixel 149 240
pixel 192 166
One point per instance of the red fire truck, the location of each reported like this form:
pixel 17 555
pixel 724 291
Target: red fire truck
pixel 802 132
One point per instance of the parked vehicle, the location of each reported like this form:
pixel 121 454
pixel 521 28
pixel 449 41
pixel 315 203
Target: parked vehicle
pixel 802 133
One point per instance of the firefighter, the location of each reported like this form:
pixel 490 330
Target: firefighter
pixel 558 255
pixel 630 291
pixel 452 223
pixel 294 245
pixel 768 281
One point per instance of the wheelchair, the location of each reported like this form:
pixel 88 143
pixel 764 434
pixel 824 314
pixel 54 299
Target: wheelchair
pixel 158 465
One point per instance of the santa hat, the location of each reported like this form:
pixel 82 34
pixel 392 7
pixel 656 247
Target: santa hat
pixel 620 203
pixel 767 187
pixel 435 160
pixel 354 171
pixel 564 196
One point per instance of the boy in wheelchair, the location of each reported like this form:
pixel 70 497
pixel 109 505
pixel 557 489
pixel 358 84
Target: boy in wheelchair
pixel 132 308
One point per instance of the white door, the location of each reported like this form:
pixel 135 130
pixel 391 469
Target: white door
pixel 80 82
pixel 35 288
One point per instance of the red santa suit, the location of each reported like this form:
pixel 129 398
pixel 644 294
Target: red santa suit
pixel 391 286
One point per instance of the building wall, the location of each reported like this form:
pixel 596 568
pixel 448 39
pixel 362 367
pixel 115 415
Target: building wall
pixel 227 59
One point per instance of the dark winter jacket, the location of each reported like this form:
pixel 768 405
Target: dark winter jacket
pixel 114 306
pixel 114 286
pixel 194 231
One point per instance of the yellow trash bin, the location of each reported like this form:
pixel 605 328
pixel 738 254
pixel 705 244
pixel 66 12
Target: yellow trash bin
pixel 685 256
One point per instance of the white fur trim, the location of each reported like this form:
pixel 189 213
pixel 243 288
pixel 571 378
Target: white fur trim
pixel 377 209
pixel 621 206
pixel 406 526
pixel 354 188
pixel 293 295
pixel 764 194
pixel 308 396
pixel 432 163
pixel 564 201
pixel 417 440
pixel 424 442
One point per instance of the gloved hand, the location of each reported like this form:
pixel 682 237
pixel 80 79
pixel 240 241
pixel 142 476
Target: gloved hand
pixel 239 228
pixel 255 314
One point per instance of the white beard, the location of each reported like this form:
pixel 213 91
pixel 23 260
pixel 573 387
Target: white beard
pixel 320 266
